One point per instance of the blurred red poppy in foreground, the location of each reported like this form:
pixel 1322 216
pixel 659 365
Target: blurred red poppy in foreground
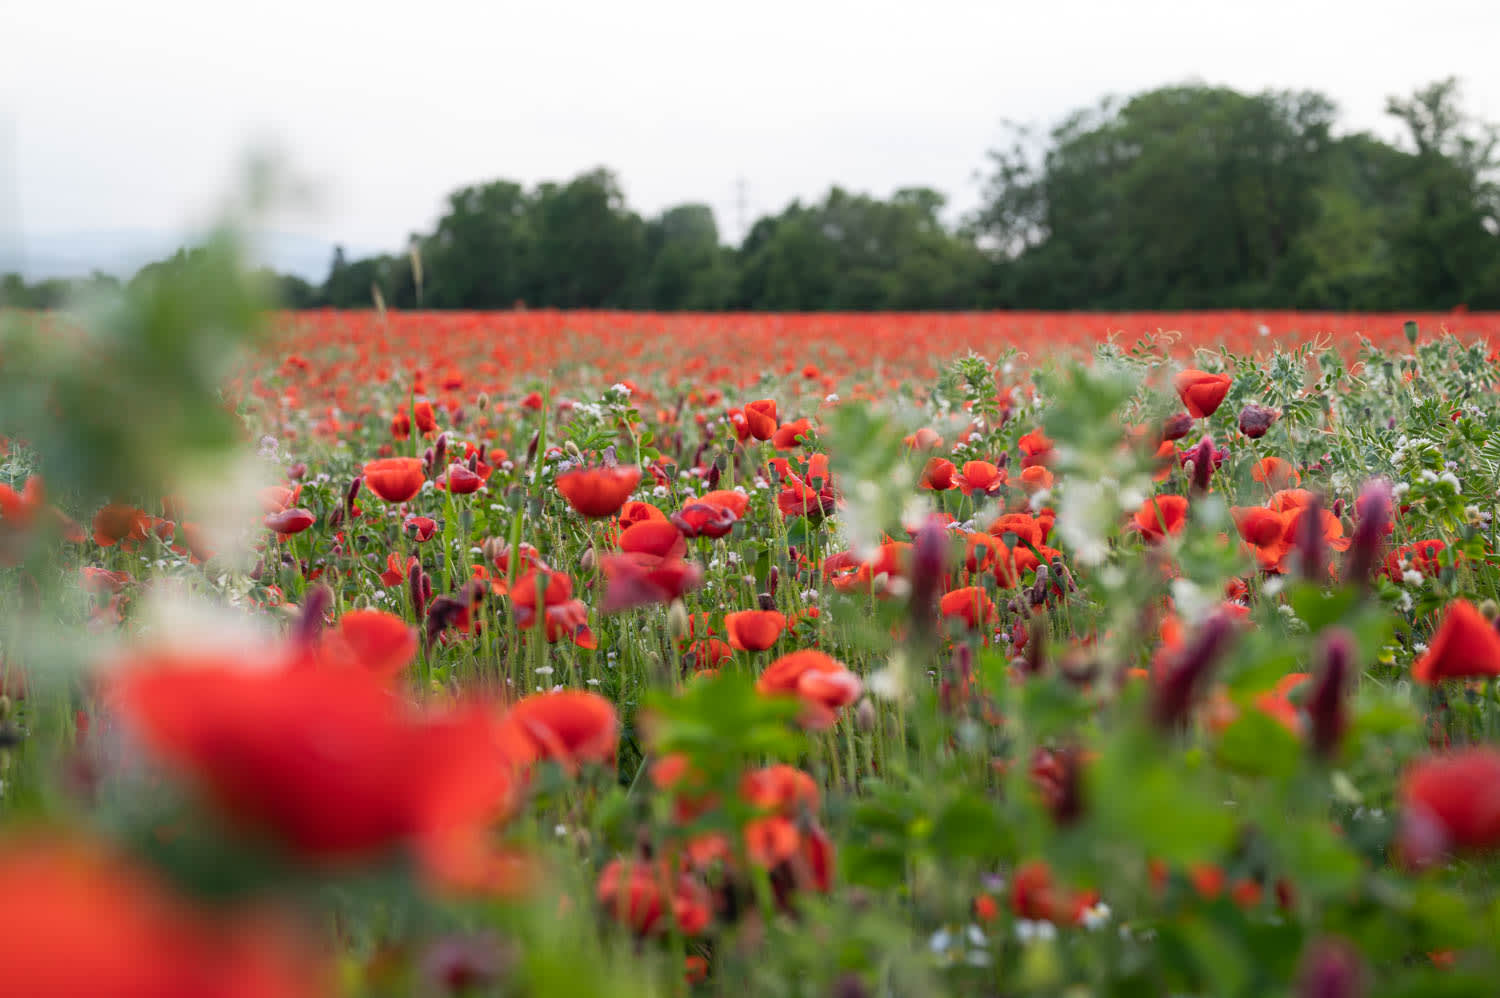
pixel 1451 802
pixel 327 761
pixel 1464 646
pixel 78 922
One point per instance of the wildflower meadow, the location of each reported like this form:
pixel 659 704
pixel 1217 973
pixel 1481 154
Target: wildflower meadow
pixel 555 653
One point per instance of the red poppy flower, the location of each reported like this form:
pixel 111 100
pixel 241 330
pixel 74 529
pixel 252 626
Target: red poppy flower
pixel 939 475
pixel 1036 447
pixel 760 418
pixel 924 439
pixel 426 418
pixel 381 642
pixel 704 519
pixel 326 760
pixel 971 604
pixel 642 579
pixel 1419 556
pixel 1265 530
pixel 1161 515
pixel 790 436
pixel 401 425
pixel 1202 392
pixel 735 502
pixel 422 527
pixel 570 727
pixel 599 492
pixel 651 898
pixel 290 521
pixel 708 654
pixel 62 895
pixel 1276 472
pixel 982 477
pixel 1456 796
pixel 1026 527
pixel 394 574
pixel 275 498
pixel 394 479
pixel 813 499
pixel 1036 478
pixel 754 630
pixel 118 522
pixel 660 538
pixel 461 481
pixel 565 616
pixel 635 511
pixel 1464 646
pixel 822 683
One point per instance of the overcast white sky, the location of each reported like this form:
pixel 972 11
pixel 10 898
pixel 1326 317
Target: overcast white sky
pixel 135 115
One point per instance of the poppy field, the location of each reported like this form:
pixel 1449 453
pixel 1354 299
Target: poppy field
pixel 622 654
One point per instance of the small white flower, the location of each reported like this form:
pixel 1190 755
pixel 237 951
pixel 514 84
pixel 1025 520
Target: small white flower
pixel 1412 577
pixel 545 670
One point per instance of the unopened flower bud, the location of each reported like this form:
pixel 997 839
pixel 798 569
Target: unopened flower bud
pixel 1326 706
pixel 1331 968
pixel 1255 420
pixel 1373 509
pixel 1174 695
pixel 864 715
pixel 1177 426
pixel 1309 541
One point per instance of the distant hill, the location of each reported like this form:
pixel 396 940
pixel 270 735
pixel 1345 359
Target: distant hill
pixel 122 252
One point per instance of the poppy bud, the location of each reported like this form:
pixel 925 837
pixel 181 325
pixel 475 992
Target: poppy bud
pixel 536 438
pixel 426 587
pixel 315 603
pixel 1003 459
pixel 1177 426
pixel 336 518
pixel 928 570
pixel 712 478
pixel 1203 464
pixel 773 576
pixel 864 715
pixel 765 601
pixel 849 985
pixel 1331 968
pixel 351 492
pixel 1338 508
pixel 1326 705
pixel 414 580
pixel 1373 508
pixel 1175 693
pixel 483 401
pixel 427 468
pixel 298 471
pixel 1036 659
pixel 1039 587
pixel 463 965
pixel 1309 540
pixel 1255 420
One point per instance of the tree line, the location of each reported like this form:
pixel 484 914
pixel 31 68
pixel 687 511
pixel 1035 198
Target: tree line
pixel 1182 197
